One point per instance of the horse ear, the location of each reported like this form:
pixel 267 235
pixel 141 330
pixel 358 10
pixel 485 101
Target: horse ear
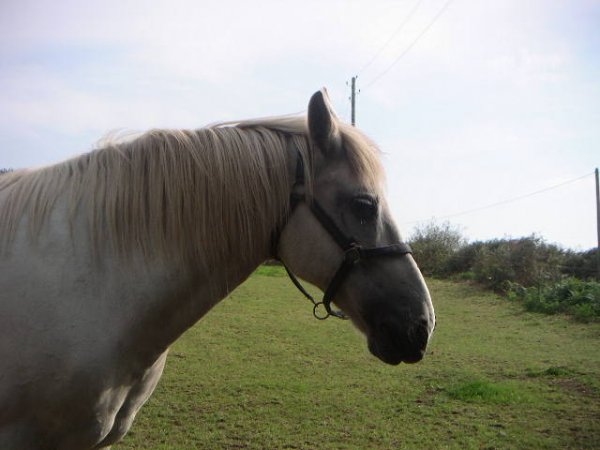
pixel 322 123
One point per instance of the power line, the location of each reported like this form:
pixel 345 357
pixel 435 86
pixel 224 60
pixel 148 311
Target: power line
pixel 411 45
pixel 394 34
pixel 510 200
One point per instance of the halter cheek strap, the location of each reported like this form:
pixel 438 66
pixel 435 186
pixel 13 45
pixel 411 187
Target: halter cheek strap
pixel 353 251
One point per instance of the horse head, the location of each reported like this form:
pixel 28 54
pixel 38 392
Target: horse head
pixel 341 237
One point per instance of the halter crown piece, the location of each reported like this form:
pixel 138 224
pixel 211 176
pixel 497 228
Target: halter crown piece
pixel 354 252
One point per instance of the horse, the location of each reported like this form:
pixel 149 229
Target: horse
pixel 108 257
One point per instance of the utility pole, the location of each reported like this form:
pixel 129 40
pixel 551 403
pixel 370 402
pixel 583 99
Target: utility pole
pixel 597 223
pixel 353 100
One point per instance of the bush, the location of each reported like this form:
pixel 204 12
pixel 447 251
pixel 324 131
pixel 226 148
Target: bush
pixel 528 261
pixel 463 260
pixel 583 265
pixel 526 269
pixel 571 296
pixel 492 265
pixel 434 244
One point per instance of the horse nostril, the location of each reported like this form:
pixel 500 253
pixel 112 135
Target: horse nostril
pixel 400 339
pixel 427 325
pixel 405 336
pixel 421 334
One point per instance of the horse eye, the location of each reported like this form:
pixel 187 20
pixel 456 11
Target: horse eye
pixel 364 208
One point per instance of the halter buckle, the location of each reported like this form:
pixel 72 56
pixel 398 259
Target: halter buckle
pixel 352 255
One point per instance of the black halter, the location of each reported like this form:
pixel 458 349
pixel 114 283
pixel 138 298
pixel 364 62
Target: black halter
pixel 353 251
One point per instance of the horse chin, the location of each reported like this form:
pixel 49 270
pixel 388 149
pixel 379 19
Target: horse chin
pixel 394 356
pixel 393 344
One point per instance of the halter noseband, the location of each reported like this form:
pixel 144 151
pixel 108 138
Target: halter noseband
pixel 353 251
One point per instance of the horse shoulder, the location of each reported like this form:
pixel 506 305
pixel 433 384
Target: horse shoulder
pixel 69 377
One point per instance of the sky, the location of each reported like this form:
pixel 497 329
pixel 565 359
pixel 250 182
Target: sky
pixel 475 104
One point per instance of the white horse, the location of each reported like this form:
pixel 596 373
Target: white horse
pixel 107 258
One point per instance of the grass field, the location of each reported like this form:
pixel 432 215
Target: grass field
pixel 259 372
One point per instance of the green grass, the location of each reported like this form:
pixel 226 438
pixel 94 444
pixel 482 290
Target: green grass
pixel 485 391
pixel 259 372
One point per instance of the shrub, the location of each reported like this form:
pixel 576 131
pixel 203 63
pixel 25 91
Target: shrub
pixel 463 260
pixel 526 269
pixel 582 265
pixel 570 296
pixel 492 265
pixel 434 244
pixel 528 261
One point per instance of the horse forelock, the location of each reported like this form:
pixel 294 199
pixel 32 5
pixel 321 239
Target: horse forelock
pixel 196 194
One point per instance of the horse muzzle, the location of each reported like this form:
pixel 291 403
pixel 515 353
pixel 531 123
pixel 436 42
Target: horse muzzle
pixel 394 342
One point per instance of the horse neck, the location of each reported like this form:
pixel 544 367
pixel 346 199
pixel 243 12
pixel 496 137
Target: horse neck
pixel 181 299
pixel 189 288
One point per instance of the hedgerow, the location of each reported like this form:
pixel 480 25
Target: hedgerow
pixel 545 277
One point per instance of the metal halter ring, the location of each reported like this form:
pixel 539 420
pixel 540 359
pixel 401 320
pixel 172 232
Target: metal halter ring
pixel 316 313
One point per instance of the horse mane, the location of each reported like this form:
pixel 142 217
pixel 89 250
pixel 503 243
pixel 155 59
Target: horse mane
pixel 199 194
